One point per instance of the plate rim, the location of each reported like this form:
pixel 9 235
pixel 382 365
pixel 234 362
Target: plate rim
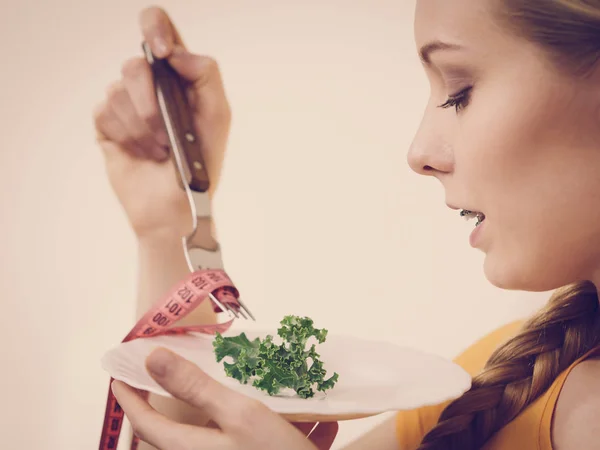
pixel 463 378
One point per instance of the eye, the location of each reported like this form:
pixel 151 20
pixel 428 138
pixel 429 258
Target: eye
pixel 459 100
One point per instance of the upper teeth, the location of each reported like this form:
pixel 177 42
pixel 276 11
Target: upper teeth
pixel 472 214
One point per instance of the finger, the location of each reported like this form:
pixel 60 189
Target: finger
pixel 120 102
pixel 324 435
pixel 158 31
pixel 139 83
pixel 185 381
pixel 157 430
pixel 199 70
pixel 208 97
pixel 110 128
pixel 213 424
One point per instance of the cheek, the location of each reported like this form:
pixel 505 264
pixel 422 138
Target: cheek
pixel 505 136
pixel 529 166
pixel 525 147
pixel 542 255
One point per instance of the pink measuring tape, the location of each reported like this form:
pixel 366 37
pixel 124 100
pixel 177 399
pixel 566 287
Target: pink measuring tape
pixel 207 279
pixel 179 302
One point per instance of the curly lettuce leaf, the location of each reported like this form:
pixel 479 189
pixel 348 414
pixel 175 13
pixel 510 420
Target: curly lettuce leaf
pixel 272 367
pixel 245 354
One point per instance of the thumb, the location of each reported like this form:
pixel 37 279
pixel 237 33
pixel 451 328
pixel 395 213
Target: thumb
pixel 188 383
pixel 197 69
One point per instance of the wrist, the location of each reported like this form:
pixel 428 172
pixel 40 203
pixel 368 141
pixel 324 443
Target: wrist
pixel 160 238
pixel 172 236
pixel 162 265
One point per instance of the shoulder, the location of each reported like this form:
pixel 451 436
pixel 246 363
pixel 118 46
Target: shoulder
pixel 576 423
pixel 412 425
pixel 474 358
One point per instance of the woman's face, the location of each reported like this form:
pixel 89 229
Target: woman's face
pixel 519 142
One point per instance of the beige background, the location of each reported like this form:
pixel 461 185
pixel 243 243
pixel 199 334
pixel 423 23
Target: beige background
pixel 326 96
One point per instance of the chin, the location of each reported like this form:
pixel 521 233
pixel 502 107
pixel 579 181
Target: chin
pixel 518 274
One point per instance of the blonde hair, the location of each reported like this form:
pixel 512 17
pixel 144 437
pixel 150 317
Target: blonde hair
pixel 522 369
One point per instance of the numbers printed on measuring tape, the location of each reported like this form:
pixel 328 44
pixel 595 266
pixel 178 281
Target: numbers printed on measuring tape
pixel 174 308
pixel 180 301
pixel 161 320
pixel 186 294
pixel 214 277
pixel 149 331
pixel 200 282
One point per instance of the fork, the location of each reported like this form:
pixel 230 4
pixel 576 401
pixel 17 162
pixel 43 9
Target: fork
pixel 201 249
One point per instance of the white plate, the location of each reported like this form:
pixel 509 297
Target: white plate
pixel 374 377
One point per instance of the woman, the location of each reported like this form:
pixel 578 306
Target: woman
pixel 512 131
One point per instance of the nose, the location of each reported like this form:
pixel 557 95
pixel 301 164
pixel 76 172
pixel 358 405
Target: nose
pixel 430 154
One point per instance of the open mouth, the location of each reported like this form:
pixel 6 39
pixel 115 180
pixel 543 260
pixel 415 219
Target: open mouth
pixel 468 215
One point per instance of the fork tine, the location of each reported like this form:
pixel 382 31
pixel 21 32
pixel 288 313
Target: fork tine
pixel 244 311
pixel 230 309
pixel 235 313
pixel 241 311
pixel 219 304
pixel 245 308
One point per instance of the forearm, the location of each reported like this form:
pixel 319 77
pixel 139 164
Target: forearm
pixel 162 265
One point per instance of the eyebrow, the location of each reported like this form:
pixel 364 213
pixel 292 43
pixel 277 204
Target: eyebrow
pixel 433 46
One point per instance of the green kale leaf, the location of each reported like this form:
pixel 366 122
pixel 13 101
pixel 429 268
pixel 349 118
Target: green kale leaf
pixel 272 367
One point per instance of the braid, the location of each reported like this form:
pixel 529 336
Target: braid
pixel 521 370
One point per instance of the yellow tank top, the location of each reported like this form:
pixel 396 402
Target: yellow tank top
pixel 531 430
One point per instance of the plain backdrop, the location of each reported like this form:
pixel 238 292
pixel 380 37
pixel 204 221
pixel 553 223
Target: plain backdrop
pixel 318 212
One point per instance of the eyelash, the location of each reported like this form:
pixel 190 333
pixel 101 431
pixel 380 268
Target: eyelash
pixel 459 100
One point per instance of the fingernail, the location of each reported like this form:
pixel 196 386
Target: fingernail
pixel 159 361
pixel 160 47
